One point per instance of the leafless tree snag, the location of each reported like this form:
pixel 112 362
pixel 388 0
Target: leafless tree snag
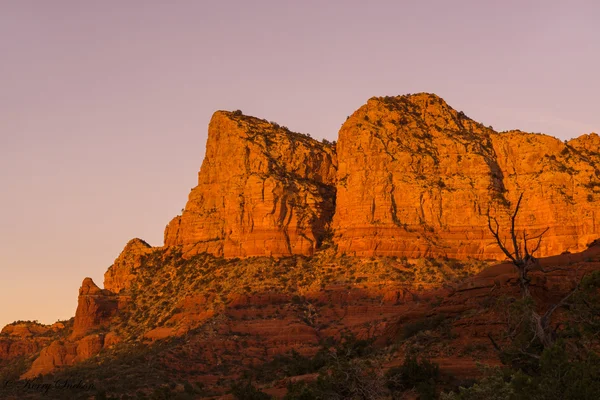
pixel 522 257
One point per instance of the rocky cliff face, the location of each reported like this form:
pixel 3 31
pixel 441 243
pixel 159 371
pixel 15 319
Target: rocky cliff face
pixel 94 309
pixel 262 190
pixel 561 186
pixel 410 176
pixel 120 274
pixel 416 178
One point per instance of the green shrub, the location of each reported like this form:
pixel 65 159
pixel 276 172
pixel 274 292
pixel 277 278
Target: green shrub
pixel 425 324
pixel 344 379
pixel 559 375
pixel 247 391
pixel 414 374
pixel 290 365
pixel 492 387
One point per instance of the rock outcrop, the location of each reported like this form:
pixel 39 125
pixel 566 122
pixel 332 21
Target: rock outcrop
pixel 262 191
pixel 121 273
pixel 416 178
pixel 95 308
pixel 15 347
pixel 589 145
pixel 561 186
pixel 26 329
pixel 88 346
pixel 25 338
pixel 60 354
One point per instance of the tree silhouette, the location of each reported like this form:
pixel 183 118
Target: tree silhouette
pixel 518 250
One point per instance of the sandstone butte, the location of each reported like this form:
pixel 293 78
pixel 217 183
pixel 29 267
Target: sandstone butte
pixel 262 190
pixel 416 178
pixel 408 177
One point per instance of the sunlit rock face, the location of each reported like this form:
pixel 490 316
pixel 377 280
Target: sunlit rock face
pixel 121 273
pixel 95 307
pixel 410 176
pixel 262 191
pixel 416 178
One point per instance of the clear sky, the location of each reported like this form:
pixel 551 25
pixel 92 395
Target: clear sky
pixel 104 105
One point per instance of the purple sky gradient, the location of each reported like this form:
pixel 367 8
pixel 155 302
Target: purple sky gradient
pixel 104 105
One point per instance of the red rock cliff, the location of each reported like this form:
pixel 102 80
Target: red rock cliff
pixel 262 190
pixel 95 307
pixel 415 178
pixel 561 186
pixel 119 275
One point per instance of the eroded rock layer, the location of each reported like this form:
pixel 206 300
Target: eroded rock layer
pixel 416 178
pixel 262 190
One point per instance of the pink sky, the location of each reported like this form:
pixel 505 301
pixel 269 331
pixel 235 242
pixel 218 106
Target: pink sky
pixel 104 105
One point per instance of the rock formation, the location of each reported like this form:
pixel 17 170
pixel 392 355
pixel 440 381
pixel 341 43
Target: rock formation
pixel 413 177
pixel 120 274
pixel 410 177
pixel 416 178
pixel 60 354
pixel 26 329
pixel 15 347
pixel 95 307
pixel 57 355
pixel 262 190
pixel 561 186
pixel 25 338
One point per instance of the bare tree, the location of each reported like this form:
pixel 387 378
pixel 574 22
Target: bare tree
pixel 521 254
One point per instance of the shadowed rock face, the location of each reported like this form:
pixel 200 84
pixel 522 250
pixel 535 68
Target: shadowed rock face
pixel 12 348
pixel 262 190
pixel 415 178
